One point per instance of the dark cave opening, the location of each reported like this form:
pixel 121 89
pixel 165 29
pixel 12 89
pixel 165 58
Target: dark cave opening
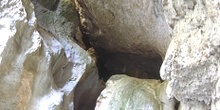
pixel 139 66
pixel 177 105
pixel 49 4
pixel 135 65
pixel 108 64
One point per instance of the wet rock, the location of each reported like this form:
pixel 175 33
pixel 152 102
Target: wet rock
pixel 129 93
pixel 192 61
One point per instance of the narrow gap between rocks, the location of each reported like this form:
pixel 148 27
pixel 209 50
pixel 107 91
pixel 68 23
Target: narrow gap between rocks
pixel 177 104
pixel 111 63
pixel 108 63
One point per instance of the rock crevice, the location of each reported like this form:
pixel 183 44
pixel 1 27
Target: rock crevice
pixel 104 54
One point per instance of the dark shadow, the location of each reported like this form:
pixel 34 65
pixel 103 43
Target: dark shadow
pixel 126 63
pixel 48 4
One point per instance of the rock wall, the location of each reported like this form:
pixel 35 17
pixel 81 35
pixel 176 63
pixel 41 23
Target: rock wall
pixel 192 61
pixel 55 53
pixel 137 27
pixel 127 36
pixel 129 93
pixel 40 65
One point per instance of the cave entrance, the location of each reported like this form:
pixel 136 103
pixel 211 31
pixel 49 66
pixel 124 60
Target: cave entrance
pixel 139 66
pixel 134 65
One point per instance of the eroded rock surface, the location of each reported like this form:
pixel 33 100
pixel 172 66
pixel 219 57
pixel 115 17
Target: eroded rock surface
pixel 192 61
pixel 136 27
pixel 41 68
pixel 127 93
pixel 63 23
pixel 39 63
pixel 127 36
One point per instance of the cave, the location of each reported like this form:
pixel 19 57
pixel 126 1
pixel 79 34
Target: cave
pixel 139 66
pixel 111 63
pixel 108 63
pixel 107 55
pixel 132 64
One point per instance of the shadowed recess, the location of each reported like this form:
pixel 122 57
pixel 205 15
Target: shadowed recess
pixel 130 64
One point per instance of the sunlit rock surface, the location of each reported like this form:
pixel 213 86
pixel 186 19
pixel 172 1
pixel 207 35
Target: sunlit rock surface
pixel 128 93
pixel 38 68
pixel 192 61
pixel 129 37
pixel 42 67
pixel 137 27
pixel 63 23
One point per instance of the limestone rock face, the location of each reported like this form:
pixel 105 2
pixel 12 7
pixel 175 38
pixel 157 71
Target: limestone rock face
pixel 128 93
pixel 39 64
pixel 192 61
pixel 137 27
pixel 43 64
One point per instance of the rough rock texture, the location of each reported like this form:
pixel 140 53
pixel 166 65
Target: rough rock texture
pixel 40 65
pixel 128 37
pixel 127 93
pixel 63 23
pixel 136 27
pixel 87 90
pixel 192 61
